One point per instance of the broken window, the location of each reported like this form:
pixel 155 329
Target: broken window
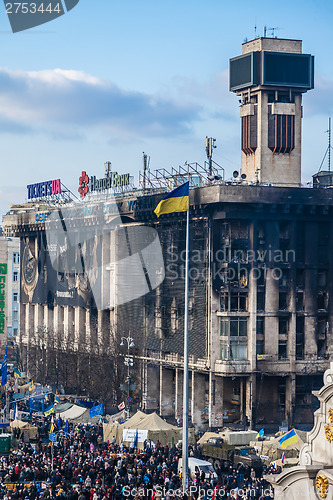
pixel 282 349
pixel 283 326
pixel 299 301
pixel 283 301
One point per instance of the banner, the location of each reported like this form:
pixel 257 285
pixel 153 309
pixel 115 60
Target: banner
pixel 130 435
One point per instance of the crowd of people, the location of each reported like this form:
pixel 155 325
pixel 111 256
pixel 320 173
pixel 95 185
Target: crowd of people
pixel 81 466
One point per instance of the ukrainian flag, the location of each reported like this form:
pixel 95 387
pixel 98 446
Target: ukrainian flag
pixel 176 201
pixel 49 410
pixel 289 438
pixel 260 433
pixel 17 373
pixel 57 399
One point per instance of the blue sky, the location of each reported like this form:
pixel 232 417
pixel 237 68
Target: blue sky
pixel 110 80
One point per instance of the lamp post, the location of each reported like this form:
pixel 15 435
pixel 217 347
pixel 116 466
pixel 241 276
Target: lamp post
pixel 128 362
pixel 42 345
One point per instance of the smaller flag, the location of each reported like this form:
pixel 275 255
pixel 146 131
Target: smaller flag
pixel 48 411
pixel 52 425
pixel 260 433
pixel 16 412
pixel 283 457
pixel 66 429
pixel 17 373
pixel 4 369
pixel 136 438
pixel 289 438
pixel 121 406
pixel 96 410
pixel 31 386
pixel 59 422
pixel 56 399
pixel 46 398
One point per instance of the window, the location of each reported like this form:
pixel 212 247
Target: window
pixel 283 297
pixel 233 301
pixel 283 326
pixel 281 133
pixel 300 278
pixel 260 346
pixel 15 331
pixel 299 346
pixel 282 349
pixel 260 325
pixel 260 300
pixel 238 302
pixel 321 279
pixel 299 301
pixel 15 296
pixel 233 338
pixel 322 300
pixel 15 276
pixel 16 258
pixel 15 316
pixel 249 133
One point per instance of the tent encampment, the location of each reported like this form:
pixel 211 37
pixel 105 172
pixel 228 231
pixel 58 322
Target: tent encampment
pixel 157 430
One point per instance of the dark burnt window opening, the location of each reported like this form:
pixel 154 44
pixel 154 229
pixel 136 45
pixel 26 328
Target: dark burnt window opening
pixel 283 349
pixel 281 133
pixel 249 133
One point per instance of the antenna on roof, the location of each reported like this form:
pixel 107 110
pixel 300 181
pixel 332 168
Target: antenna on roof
pixel 329 147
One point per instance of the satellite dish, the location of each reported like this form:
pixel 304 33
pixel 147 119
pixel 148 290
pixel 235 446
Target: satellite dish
pixel 243 176
pixel 235 174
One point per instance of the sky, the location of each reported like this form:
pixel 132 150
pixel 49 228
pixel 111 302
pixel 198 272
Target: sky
pixel 112 79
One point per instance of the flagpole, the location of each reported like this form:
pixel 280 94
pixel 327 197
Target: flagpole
pixel 185 388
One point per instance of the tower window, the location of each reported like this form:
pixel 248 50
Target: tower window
pixel 281 133
pixel 249 133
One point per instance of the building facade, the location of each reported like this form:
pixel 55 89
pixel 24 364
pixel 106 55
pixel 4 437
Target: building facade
pixel 10 289
pixel 260 307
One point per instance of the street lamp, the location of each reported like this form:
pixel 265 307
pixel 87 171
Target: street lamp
pixel 128 362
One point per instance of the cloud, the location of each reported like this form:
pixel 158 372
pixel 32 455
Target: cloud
pixel 319 100
pixel 58 100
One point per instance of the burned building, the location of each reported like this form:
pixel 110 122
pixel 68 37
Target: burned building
pixel 260 318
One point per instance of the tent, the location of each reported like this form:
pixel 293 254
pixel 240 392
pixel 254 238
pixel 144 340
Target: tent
pixel 18 424
pixel 117 417
pixel 157 429
pixel 207 436
pixel 72 413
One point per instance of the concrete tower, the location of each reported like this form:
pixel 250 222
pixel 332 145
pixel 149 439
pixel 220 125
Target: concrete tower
pixel 270 77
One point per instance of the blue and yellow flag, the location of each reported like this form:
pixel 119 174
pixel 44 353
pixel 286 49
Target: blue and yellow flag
pixel 17 373
pixel 4 369
pixel 31 386
pixel 56 399
pixel 289 438
pixel 176 201
pixel 260 433
pixel 49 410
